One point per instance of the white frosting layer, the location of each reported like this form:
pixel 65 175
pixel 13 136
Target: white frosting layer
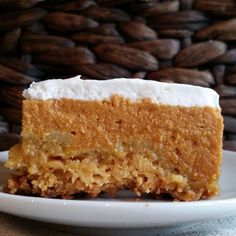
pixel 133 89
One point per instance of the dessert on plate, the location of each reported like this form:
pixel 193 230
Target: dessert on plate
pixel 87 136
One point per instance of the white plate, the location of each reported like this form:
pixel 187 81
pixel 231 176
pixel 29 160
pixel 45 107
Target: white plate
pixel 122 212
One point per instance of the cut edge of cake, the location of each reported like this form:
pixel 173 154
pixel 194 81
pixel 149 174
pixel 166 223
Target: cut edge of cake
pixel 103 136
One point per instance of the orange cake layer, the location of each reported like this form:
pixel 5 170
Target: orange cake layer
pixel 71 146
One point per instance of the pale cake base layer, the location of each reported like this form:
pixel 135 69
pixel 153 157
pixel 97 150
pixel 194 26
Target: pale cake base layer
pixel 71 146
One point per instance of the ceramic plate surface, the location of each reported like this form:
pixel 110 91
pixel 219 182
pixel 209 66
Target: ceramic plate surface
pixel 125 210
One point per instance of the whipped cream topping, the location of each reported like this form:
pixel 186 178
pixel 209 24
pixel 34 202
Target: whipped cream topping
pixel 133 89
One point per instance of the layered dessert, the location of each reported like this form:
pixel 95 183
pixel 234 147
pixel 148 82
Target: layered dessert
pixel 87 136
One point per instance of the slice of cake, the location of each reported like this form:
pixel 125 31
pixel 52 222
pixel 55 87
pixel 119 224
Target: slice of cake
pixel 102 136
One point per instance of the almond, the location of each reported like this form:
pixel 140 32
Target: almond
pixel 224 30
pixel 68 22
pixel 8 5
pixel 71 6
pixel 105 14
pixel 12 76
pixel 135 31
pixel 161 48
pixel 22 67
pixel 13 20
pixel 127 57
pixel 199 53
pixel 67 56
pixel 192 20
pixel 102 71
pixel 35 43
pixel 162 8
pixel 84 37
pixel 186 76
pixel 218 7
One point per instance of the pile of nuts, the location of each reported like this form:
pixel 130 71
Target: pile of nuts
pixel 181 41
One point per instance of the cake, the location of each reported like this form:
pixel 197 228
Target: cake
pixel 87 136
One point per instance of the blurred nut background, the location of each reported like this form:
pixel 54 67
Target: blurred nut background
pixel 182 41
